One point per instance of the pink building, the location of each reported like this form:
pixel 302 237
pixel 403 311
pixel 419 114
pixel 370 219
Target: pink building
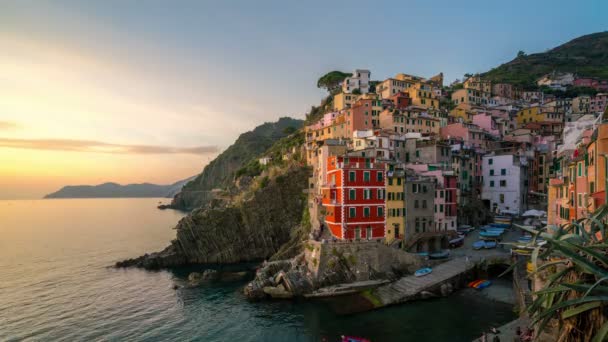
pixel 598 103
pixel 601 85
pixel 486 122
pixel 471 135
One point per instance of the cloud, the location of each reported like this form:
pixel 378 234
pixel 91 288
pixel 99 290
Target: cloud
pixel 100 147
pixel 6 125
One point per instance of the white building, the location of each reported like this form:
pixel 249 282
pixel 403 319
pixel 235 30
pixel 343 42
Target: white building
pixel 556 80
pixel 359 80
pixel 366 143
pixel 505 182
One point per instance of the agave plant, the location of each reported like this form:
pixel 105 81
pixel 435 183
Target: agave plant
pixel 573 268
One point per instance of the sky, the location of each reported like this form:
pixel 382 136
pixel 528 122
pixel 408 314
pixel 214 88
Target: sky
pixel 151 91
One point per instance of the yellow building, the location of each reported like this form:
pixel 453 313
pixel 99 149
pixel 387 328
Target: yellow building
pixel 536 113
pixel 463 112
pixel 421 94
pixel 470 97
pixel 395 204
pixel 479 84
pixel 392 86
pixel 343 101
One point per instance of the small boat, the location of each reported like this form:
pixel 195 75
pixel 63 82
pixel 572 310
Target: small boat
pixel 465 229
pixel 474 283
pixel 490 244
pixel 490 234
pixel 440 255
pixel 479 284
pixel 493 228
pixel 354 339
pixel 483 284
pixel 423 271
pixel 457 241
pixel 500 225
pixel 423 254
pixel 479 244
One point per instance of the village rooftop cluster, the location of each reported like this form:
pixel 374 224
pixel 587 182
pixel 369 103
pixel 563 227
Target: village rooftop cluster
pixel 407 160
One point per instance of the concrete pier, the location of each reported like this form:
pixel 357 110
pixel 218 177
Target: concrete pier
pixel 412 287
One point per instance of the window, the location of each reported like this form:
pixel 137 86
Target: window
pixel 423 204
pixel 414 188
pixel 351 175
pixel 390 181
pixel 416 206
pixel 366 176
pixel 380 211
pixel 580 199
pixel 379 176
pixel 503 172
pixel 502 198
pixel 366 212
pixel 441 194
pixel 490 161
pixel 580 169
pixel 367 194
pixel 380 194
pixel 441 208
pixel 492 172
pixel 352 212
pixel 352 194
pixel 424 189
pixel 417 153
pixel 491 184
pixel 591 187
pixel 398 181
pixel 503 183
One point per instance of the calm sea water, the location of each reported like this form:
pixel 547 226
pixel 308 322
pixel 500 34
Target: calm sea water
pixel 55 285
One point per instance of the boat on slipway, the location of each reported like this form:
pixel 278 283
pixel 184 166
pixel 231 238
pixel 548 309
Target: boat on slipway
pixel 440 255
pixel 423 271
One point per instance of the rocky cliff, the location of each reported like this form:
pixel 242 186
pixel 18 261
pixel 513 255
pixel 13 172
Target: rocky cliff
pixel 254 227
pixel 220 172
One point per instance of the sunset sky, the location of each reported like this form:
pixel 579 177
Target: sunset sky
pixel 126 92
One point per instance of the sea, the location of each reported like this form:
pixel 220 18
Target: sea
pixel 57 283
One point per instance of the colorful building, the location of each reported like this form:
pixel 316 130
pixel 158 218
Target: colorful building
pixel 358 81
pixel 478 83
pixel 354 198
pixel 395 204
pixel 505 185
pixel 344 101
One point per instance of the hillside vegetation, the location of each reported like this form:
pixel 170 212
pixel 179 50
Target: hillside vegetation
pixel 586 56
pixel 220 172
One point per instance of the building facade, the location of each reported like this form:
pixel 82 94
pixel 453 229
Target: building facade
pixel 354 198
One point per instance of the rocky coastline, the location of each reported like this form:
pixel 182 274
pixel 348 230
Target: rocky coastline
pixel 252 227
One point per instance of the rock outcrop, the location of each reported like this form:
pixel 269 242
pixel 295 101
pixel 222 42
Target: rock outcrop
pixel 253 228
pixel 323 265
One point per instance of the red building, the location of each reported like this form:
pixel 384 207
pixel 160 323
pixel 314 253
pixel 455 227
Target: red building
pixel 353 197
pixel 401 100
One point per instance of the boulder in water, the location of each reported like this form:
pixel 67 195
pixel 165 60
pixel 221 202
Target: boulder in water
pixel 195 278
